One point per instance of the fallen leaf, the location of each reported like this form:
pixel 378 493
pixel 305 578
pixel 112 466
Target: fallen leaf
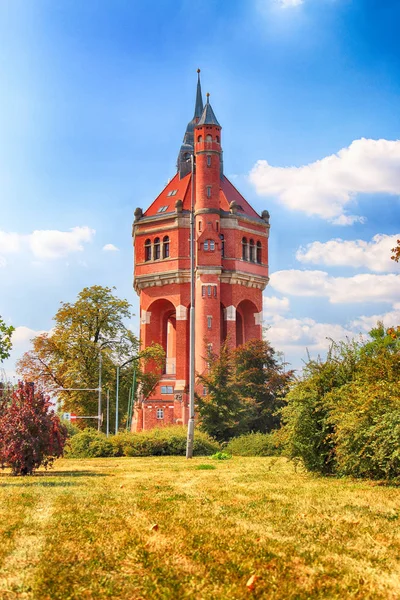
pixel 251 583
pixel 154 527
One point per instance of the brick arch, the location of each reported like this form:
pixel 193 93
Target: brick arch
pixel 247 322
pixel 162 330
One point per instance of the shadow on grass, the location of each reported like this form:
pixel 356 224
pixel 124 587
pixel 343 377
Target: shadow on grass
pixel 47 474
pixel 23 482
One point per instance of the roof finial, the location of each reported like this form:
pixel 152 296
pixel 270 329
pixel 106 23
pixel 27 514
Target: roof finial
pixel 208 97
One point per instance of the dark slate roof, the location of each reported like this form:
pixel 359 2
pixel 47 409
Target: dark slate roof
pixel 208 117
pixel 198 109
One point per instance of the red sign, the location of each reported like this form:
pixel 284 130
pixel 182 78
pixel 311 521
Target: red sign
pixel 72 417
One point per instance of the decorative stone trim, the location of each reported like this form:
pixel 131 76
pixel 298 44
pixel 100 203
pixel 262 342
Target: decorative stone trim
pixel 246 279
pixel 145 317
pixel 159 279
pixel 181 313
pixel 258 318
pixel 230 313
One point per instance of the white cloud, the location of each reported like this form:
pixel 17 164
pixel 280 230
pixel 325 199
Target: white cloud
pixel 110 248
pixel 325 187
pixel 359 288
pixel 21 338
pixel 3 262
pixel 375 255
pixel 273 306
pixel 55 244
pixel 46 243
pixel 389 319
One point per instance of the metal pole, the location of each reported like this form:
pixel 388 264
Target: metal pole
pixel 99 403
pixel 117 402
pixel 190 432
pixel 108 413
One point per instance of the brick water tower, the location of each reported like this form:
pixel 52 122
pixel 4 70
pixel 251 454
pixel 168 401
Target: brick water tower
pixel 231 267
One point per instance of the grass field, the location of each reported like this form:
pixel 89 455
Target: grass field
pixel 85 530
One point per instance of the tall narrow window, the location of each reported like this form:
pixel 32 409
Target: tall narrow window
pixel 165 246
pixel 209 191
pixel 203 291
pixel 209 291
pixel 212 245
pixel 205 245
pixel 251 257
pixel 259 256
pixel 147 250
pixel 215 291
pixel 244 249
pixel 217 139
pixel 208 160
pixel 209 322
pixel 217 226
pixel 157 248
pixel 221 237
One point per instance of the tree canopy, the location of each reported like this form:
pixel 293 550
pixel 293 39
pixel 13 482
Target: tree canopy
pixel 69 356
pixel 6 332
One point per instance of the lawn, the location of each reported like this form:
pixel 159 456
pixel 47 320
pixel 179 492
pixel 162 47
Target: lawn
pixel 160 528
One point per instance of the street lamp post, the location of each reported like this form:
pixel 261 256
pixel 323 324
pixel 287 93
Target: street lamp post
pixel 190 432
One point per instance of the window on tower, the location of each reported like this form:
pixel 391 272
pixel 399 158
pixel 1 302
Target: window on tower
pixel 209 138
pixel 209 322
pixel 200 138
pixel 209 191
pixel 244 249
pixel 208 160
pixel 251 248
pixel 259 255
pixel 205 245
pixel 165 246
pixel 212 245
pixel 157 248
pixel 221 237
pixel 147 250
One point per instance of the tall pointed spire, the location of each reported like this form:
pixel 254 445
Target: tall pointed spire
pixel 198 109
pixel 187 148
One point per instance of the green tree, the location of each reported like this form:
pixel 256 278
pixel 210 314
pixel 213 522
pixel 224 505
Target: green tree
pixel 6 332
pixel 262 382
pixel 222 412
pixel 69 356
pixel 244 388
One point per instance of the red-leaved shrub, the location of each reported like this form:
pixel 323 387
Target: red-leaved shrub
pixel 31 434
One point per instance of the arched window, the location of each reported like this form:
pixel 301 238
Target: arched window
pixel 217 139
pixel 208 160
pixel 205 245
pixel 212 245
pixel 200 138
pixel 209 191
pixel 157 248
pixel 221 237
pixel 259 252
pixel 251 253
pixel 244 249
pixel 208 138
pixel 147 250
pixel 165 246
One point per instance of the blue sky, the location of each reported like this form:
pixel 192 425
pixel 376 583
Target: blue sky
pixel 94 101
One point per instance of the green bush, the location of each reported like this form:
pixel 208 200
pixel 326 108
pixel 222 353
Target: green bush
pixel 71 429
pixel 89 444
pixel 221 456
pixel 254 444
pixel 165 441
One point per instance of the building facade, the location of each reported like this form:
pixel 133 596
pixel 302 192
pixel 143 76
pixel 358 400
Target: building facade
pixel 231 267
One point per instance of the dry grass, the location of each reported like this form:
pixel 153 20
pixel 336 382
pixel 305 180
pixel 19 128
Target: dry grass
pixel 84 531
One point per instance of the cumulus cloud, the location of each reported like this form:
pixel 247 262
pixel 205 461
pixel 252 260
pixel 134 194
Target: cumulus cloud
pixel 359 288
pixel 274 306
pixel 325 188
pixel 110 248
pixel 389 319
pixel 375 255
pixel 46 243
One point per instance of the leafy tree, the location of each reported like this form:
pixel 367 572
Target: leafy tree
pixel 245 388
pixel 262 382
pixel 31 434
pixel 396 252
pixel 69 356
pixel 222 412
pixel 6 332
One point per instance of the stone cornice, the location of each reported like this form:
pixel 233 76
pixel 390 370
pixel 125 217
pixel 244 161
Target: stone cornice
pixel 141 282
pixel 247 279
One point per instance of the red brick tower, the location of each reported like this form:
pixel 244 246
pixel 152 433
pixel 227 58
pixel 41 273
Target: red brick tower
pixel 231 267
